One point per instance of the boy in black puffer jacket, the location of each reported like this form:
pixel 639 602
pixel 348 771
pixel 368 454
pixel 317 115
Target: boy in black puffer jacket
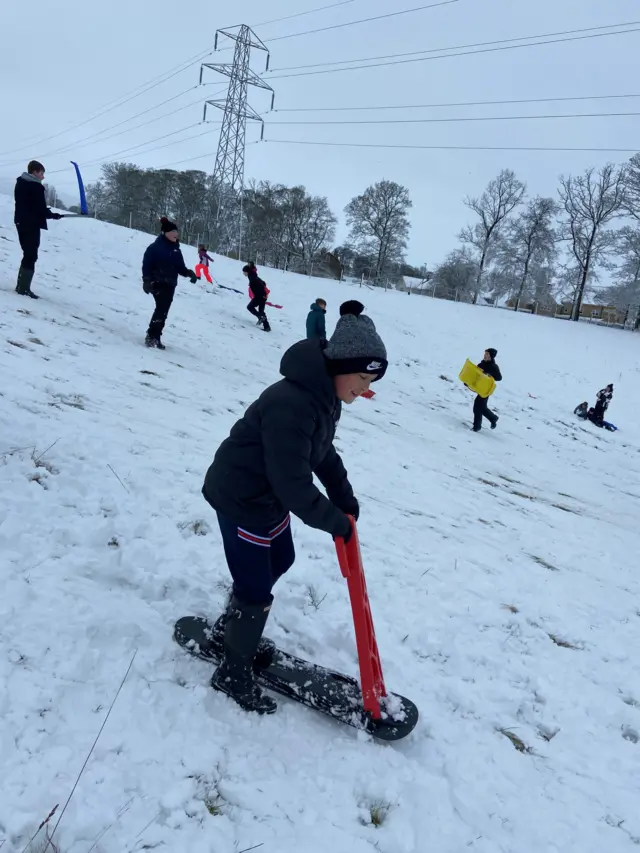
pixel 264 471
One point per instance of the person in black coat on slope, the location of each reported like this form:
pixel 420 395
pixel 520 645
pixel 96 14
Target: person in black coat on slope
pixel 603 398
pixel 31 215
pixel 161 265
pixel 480 406
pixel 259 300
pixel 264 471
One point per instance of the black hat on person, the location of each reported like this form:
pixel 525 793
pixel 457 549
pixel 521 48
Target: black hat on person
pixel 355 346
pixel 166 226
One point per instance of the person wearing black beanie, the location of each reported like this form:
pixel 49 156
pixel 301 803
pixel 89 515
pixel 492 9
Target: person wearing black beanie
pixel 264 471
pixel 481 409
pixel 161 266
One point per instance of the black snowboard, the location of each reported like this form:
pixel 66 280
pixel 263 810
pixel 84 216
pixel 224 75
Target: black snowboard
pixel 332 693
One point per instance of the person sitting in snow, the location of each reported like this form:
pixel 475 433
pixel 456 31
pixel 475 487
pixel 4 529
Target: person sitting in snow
pixel 480 407
pixel 264 471
pixel 202 267
pixel 259 298
pixel 316 326
pixel 161 265
pixel 603 398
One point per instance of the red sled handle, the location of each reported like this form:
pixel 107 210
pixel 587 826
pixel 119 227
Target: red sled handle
pixel 371 679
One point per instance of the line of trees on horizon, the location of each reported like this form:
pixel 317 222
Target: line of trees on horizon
pixel 527 249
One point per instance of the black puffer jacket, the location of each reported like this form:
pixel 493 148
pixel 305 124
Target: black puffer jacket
pixel 258 287
pixel 163 262
pixel 266 465
pixel 31 207
pixel 491 368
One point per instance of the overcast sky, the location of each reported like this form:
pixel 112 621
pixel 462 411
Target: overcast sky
pixel 60 62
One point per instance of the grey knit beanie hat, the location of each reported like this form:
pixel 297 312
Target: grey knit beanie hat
pixel 355 346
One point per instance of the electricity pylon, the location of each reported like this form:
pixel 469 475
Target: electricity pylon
pixel 228 172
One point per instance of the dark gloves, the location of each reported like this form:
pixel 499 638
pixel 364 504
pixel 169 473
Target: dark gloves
pixel 192 276
pixel 147 285
pixel 350 507
pixel 56 216
pixel 346 531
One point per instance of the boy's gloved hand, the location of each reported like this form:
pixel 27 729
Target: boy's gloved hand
pixel 346 532
pixel 351 507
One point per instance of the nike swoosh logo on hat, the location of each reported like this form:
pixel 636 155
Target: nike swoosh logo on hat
pixel 374 365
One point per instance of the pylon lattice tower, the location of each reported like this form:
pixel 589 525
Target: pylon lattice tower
pixel 228 172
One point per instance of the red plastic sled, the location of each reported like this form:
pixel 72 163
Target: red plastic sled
pixel 368 394
pixel 394 712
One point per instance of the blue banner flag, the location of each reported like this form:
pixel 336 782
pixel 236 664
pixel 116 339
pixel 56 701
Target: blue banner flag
pixel 83 198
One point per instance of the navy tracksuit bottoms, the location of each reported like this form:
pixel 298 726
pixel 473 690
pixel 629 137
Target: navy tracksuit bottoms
pixel 256 557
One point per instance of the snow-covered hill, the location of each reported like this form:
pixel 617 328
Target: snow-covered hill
pixel 502 569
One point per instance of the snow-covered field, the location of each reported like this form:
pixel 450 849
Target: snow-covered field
pixel 502 570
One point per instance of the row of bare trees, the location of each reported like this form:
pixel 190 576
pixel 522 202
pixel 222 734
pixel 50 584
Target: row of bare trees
pixel 285 227
pixel 543 249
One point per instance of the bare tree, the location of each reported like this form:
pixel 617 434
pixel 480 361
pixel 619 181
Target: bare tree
pixel 531 241
pixel 632 186
pixel 625 293
pixel 455 277
pixel 315 227
pixel 591 200
pixel 501 197
pixel 379 222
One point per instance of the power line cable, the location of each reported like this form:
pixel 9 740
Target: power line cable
pixel 295 15
pixel 198 157
pixel 92 137
pixel 450 55
pixel 453 104
pixel 459 46
pixel 449 119
pixel 109 157
pixel 132 148
pixel 363 20
pixel 188 159
pixel 300 14
pixel 448 147
pixel 74 146
pixel 163 78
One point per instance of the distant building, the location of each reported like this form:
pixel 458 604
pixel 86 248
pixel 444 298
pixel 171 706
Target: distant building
pixel 608 314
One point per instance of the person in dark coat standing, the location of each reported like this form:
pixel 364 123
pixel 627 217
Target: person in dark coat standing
pixel 259 300
pixel 161 265
pixel 31 215
pixel 480 406
pixel 603 398
pixel 316 326
pixel 264 471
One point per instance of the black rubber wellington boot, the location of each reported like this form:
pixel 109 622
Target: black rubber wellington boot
pixel 235 677
pixel 266 647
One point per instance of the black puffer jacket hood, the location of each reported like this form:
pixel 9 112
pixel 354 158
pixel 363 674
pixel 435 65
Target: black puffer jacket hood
pixel 304 364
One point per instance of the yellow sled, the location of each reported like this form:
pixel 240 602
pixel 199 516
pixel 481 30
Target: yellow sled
pixel 476 380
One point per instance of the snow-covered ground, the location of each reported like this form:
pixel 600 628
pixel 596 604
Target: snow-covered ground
pixel 502 570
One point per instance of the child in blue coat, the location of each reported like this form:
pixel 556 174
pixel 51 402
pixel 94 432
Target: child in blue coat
pixel 316 327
